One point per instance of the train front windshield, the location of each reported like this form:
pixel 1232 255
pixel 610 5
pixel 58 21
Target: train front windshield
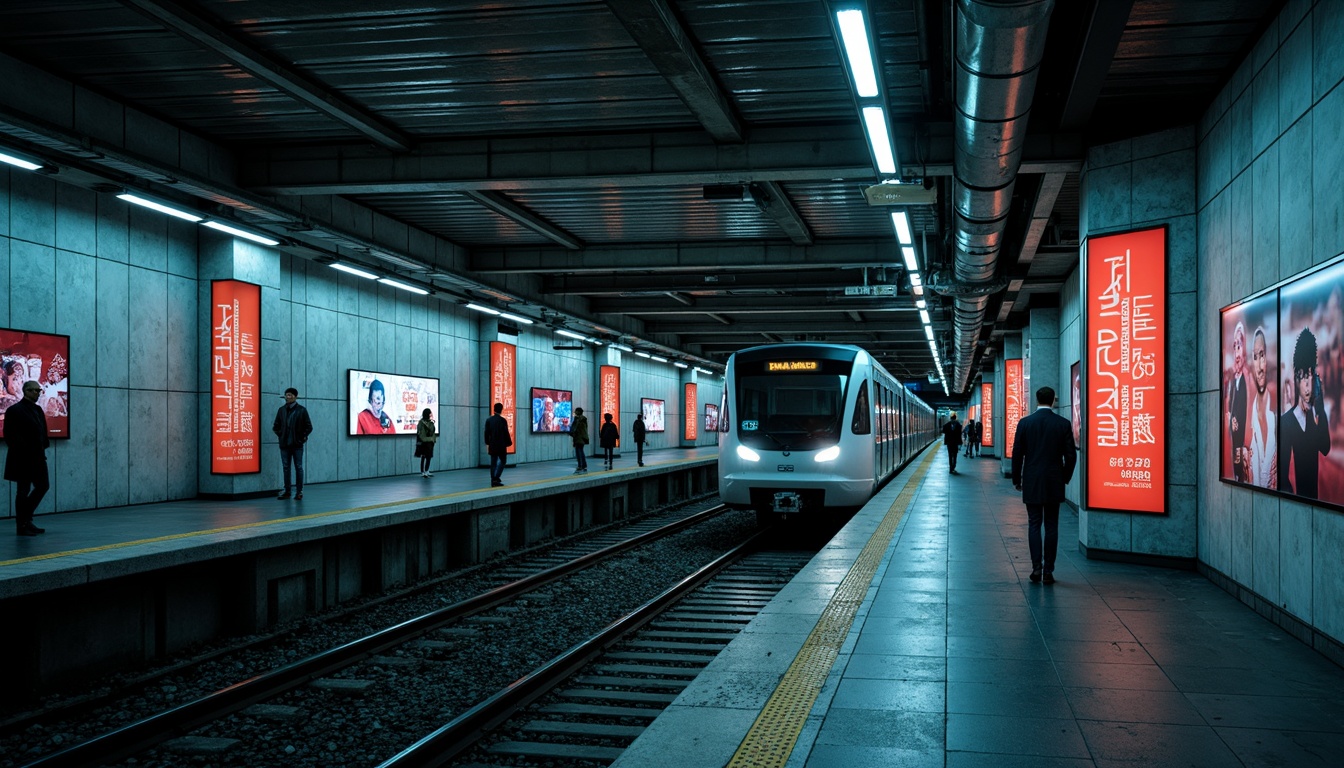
pixel 793 411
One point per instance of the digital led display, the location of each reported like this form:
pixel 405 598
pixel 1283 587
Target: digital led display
pixel 691 410
pixel 987 408
pixel 1248 395
pixel 792 365
pixel 609 392
pixel 504 385
pixel 1012 403
pixel 1076 392
pixel 40 357
pixel 1126 345
pixel 552 409
pixel 235 377
pixel 711 417
pixel 389 403
pixel 653 414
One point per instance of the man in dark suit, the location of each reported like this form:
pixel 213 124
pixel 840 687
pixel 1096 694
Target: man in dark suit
pixel 26 461
pixel 1043 460
pixel 497 442
pixel 952 439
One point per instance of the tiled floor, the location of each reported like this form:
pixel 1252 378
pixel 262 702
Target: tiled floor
pixel 961 661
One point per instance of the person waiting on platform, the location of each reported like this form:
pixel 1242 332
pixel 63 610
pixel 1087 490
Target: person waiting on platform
pixel 373 420
pixel 639 431
pixel 952 441
pixel 426 434
pixel 292 426
pixel 578 434
pixel 608 436
pixel 975 436
pixel 26 461
pixel 497 442
pixel 966 433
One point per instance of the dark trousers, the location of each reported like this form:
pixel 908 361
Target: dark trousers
pixel 610 454
pixel 952 457
pixel 639 453
pixel 496 467
pixel 580 455
pixel 27 495
pixel 1049 514
pixel 295 455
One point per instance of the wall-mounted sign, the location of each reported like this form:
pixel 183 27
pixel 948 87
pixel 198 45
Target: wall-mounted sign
pixel 691 412
pixel 235 377
pixel 40 357
pixel 609 392
pixel 1127 372
pixel 503 384
pixel 1012 403
pixel 987 423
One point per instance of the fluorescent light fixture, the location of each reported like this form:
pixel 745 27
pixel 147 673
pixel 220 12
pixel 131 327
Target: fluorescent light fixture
pixel 875 120
pixel 403 286
pixel 241 233
pixel 917 290
pixel 928 331
pixel 658 359
pixel 702 370
pixel 593 340
pixel 643 354
pixel 515 318
pixel 915 280
pixel 486 310
pixel 921 304
pixel 26 165
pixel 908 253
pixel 354 271
pixel 854 34
pixel 924 316
pixel 622 347
pixel 680 364
pixel 570 334
pixel 901 220
pixel 160 207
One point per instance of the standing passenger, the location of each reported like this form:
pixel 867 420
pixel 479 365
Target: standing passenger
pixel 26 461
pixel 966 434
pixel 497 442
pixel 952 440
pixel 1043 460
pixel 608 437
pixel 638 429
pixel 293 427
pixel 578 432
pixel 975 436
pixel 426 434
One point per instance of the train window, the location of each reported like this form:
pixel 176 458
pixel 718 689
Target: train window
pixel 862 423
pixel 725 418
pixel 802 412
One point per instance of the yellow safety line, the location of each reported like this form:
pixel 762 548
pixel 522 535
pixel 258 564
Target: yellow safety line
pixel 772 737
pixel 260 523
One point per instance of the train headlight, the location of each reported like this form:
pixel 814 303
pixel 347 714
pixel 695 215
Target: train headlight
pixel 830 454
pixel 743 452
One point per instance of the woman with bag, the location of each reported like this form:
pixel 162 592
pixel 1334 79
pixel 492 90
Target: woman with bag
pixel 425 436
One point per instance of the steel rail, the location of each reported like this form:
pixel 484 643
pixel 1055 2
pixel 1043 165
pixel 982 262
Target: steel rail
pixel 150 731
pixel 466 729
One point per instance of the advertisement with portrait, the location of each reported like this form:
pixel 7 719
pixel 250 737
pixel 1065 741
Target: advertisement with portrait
pixel 1311 382
pixel 1076 398
pixel 653 414
pixel 552 409
pixel 503 385
pixel 692 406
pixel 40 357
pixel 1248 395
pixel 235 377
pixel 389 403
pixel 711 417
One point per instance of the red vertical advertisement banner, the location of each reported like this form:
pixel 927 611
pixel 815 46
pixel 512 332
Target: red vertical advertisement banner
pixel 235 377
pixel 1127 371
pixel 503 384
pixel 987 412
pixel 690 412
pixel 1012 403
pixel 609 393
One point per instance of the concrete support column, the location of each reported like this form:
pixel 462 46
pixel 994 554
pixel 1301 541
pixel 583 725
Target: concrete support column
pixel 688 376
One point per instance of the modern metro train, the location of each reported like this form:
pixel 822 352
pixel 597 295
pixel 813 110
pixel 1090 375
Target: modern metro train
pixel 806 427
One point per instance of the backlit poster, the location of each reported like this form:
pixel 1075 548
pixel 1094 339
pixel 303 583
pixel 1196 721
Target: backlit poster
pixel 235 377
pixel 1076 398
pixel 503 385
pixel 384 403
pixel 609 392
pixel 1012 403
pixel 987 406
pixel 1127 371
pixel 1248 393
pixel 691 412
pixel 41 357
pixel 1311 387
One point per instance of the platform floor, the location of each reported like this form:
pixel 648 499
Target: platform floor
pixel 71 534
pixel 956 659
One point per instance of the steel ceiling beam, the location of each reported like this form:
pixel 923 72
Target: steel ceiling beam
pixel 214 36
pixel 779 207
pixel 501 204
pixel 644 284
pixel 826 324
pixel 736 305
pixel 691 257
pixel 657 32
pixel 1104 31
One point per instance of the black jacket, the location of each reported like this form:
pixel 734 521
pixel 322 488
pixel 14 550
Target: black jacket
pixel 292 425
pixel 638 430
pixel 609 435
pixel 497 438
pixel 26 436
pixel 1044 457
pixel 952 433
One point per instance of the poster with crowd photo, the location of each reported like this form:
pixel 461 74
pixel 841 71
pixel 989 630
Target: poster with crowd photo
pixel 1311 382
pixel 711 417
pixel 40 357
pixel 389 403
pixel 1248 392
pixel 552 409
pixel 653 414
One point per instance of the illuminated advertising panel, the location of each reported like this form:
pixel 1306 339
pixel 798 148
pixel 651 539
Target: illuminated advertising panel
pixel 40 357
pixel 552 409
pixel 711 417
pixel 692 410
pixel 381 403
pixel 1076 392
pixel 1012 403
pixel 1248 396
pixel 653 414
pixel 503 384
pixel 235 377
pixel 1311 387
pixel 970 412
pixel 987 406
pixel 609 392
pixel 1127 371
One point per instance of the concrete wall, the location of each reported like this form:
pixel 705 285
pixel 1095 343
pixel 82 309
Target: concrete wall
pixel 1271 206
pixel 1070 352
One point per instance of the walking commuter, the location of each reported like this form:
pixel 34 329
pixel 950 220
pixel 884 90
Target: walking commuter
pixel 966 433
pixel 293 427
pixel 639 432
pixel 426 434
pixel 1044 456
pixel 497 442
pixel 608 436
pixel 975 436
pixel 952 441
pixel 26 461
pixel 578 432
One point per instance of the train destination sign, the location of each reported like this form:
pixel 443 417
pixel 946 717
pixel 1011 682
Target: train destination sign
pixel 792 365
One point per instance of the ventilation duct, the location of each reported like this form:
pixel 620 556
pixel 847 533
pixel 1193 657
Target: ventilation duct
pixel 999 45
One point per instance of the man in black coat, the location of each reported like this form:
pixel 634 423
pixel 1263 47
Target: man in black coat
pixel 640 432
pixel 1043 460
pixel 26 461
pixel 952 439
pixel 293 426
pixel 497 442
